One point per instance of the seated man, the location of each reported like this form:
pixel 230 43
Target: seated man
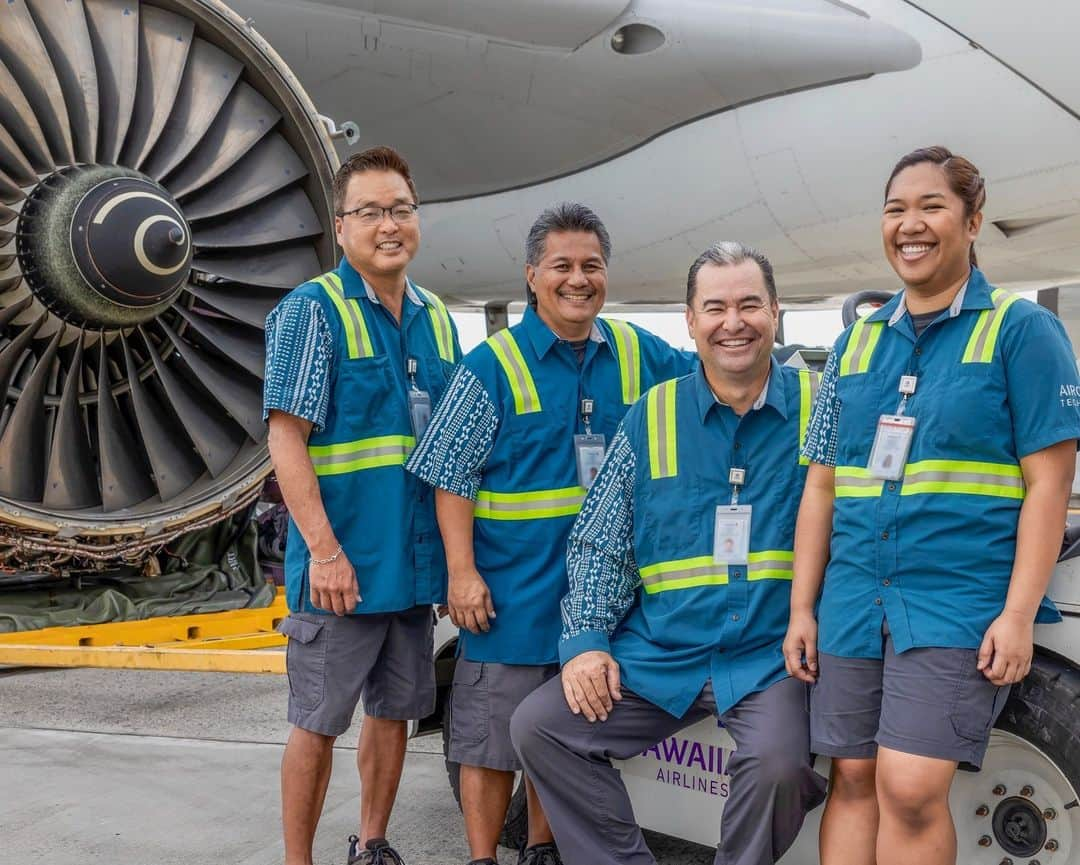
pixel 680 573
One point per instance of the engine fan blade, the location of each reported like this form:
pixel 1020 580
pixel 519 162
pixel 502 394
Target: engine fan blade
pixel 9 190
pixel 244 118
pixel 286 216
pixel 22 445
pixel 23 52
pixel 124 479
pixel 174 464
pixel 270 165
pixel 63 29
pixel 237 343
pixel 285 266
pixel 19 119
pixel 71 481
pixel 240 395
pixel 14 162
pixel 245 303
pixel 114 32
pixel 164 42
pixel 12 353
pixel 217 439
pixel 209 77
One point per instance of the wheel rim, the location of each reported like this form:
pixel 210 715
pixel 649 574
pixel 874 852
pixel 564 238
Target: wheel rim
pixel 1016 809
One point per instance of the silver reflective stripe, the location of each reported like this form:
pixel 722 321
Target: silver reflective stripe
pixel 844 480
pixel 770 565
pixel 912 477
pixel 683 573
pixel 860 349
pixel 522 382
pixel 532 504
pixel 361 453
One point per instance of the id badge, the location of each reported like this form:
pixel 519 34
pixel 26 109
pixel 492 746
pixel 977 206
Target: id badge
pixel 891 445
pixel 419 411
pixel 731 534
pixel 589 452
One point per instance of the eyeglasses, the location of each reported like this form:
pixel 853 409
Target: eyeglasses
pixel 400 213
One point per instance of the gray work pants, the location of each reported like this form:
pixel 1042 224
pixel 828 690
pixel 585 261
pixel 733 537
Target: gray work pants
pixel 568 759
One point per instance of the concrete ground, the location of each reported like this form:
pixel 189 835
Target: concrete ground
pixel 145 768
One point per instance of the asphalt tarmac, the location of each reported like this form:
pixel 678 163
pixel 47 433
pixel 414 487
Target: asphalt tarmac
pixel 147 768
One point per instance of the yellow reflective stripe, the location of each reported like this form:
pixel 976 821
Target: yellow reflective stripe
pixel 361 454
pixel 964 477
pixel 809 381
pixel 440 324
pixel 534 505
pixel 660 419
pixel 683 574
pixel 522 386
pixel 770 565
pixel 703 571
pixel 855 482
pixel 983 339
pixel 860 346
pixel 628 351
pixel 357 339
pixel 957 477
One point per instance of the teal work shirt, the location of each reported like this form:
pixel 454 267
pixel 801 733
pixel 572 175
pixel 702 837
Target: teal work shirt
pixel 383 516
pixel 504 437
pixel 933 552
pixel 644 585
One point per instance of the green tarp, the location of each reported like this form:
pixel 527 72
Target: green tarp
pixel 207 571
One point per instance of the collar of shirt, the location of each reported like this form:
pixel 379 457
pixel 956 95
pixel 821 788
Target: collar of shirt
pixel 543 337
pixel 354 286
pixel 973 294
pixel 772 394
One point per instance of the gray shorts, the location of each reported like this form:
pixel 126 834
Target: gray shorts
pixel 334 662
pixel 928 702
pixel 484 697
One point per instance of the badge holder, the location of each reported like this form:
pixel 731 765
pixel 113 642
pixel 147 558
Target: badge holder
pixel 419 402
pixel 892 441
pixel 589 449
pixel 731 530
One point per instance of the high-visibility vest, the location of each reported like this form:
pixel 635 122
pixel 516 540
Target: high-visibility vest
pixel 339 458
pixel 565 501
pixel 934 476
pixel 663 457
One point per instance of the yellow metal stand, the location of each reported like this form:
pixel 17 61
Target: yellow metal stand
pixel 209 642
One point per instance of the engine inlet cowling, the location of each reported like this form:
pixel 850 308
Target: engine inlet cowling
pixel 163 181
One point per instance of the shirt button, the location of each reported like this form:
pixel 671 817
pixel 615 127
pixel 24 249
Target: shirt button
pixel 738 445
pixel 892 488
pixel 918 350
pixel 877 602
pixel 736 575
pixel 735 617
pixel 884 536
pixel 886 582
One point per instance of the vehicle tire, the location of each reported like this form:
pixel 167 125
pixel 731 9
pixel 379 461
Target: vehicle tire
pixel 1022 806
pixel 516 829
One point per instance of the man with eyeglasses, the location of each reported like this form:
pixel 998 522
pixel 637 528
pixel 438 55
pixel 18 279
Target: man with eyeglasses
pixel 510 451
pixel 680 582
pixel 355 359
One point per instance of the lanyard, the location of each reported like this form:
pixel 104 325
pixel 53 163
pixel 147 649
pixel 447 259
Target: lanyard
pixel 586 415
pixel 737 478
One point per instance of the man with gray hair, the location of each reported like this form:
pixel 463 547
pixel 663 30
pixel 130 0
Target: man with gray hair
pixel 680 568
pixel 511 450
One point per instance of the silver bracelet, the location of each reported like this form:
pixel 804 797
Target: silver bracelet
pixel 329 559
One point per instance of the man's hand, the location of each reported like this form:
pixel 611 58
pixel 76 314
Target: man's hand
pixel 800 647
pixel 590 683
pixel 1005 653
pixel 469 600
pixel 333 585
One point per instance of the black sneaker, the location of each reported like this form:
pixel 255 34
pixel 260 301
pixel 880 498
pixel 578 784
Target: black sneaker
pixel 540 854
pixel 376 852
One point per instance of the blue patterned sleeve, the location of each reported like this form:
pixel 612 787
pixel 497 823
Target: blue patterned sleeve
pixel 455 448
pixel 821 434
pixel 299 357
pixel 600 557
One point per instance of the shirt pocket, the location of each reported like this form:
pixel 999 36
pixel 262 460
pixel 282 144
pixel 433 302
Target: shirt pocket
pixel 436 374
pixel 861 404
pixel 963 413
pixel 366 397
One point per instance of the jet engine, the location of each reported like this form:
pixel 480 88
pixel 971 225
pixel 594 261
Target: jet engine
pixel 163 180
